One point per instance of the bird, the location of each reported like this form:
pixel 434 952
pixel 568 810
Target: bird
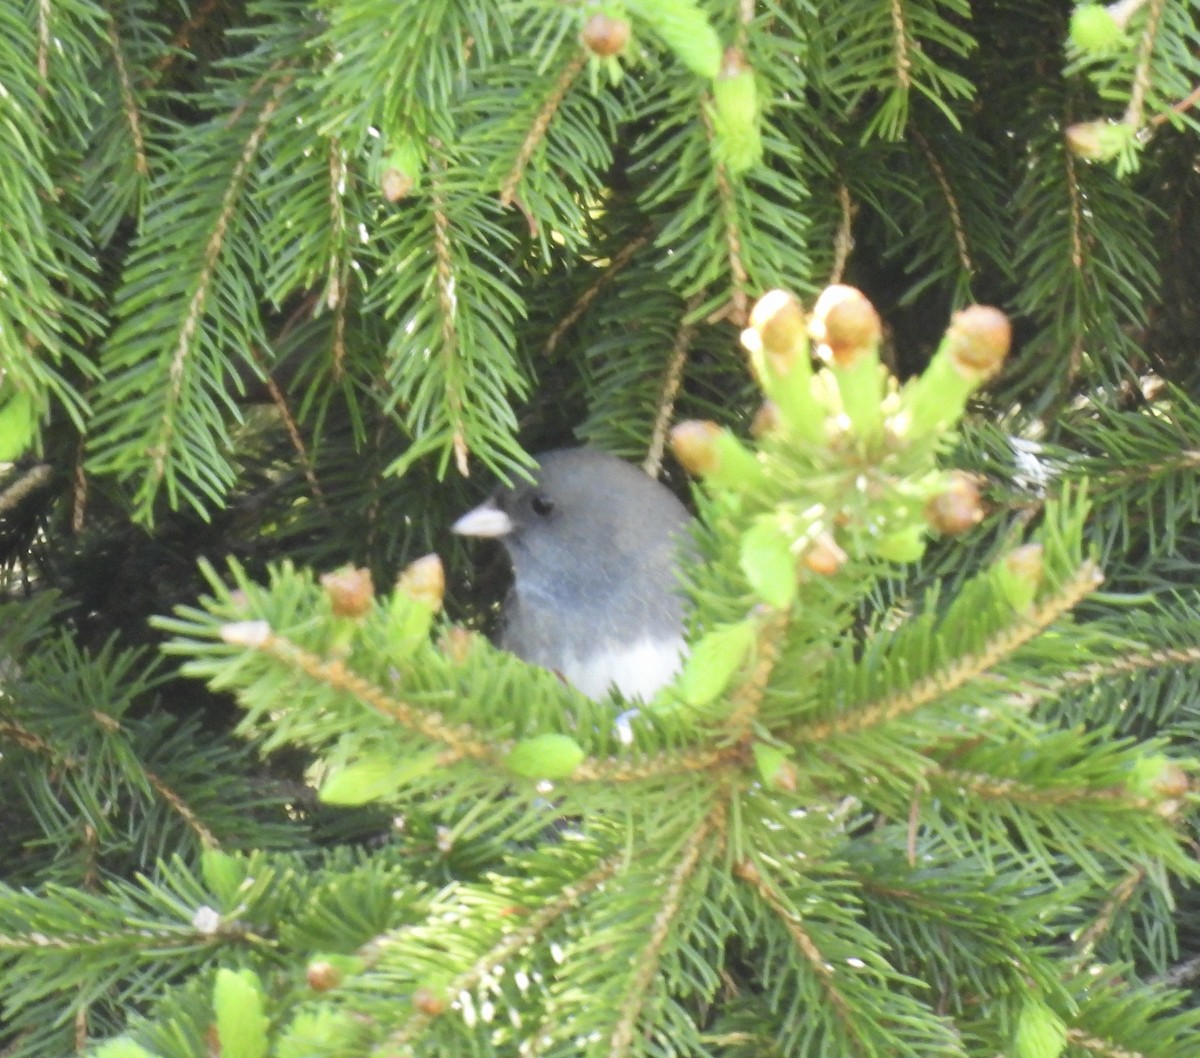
pixel 595 545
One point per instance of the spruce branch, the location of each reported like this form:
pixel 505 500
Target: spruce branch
pixel 28 482
pixel 1123 892
pixel 279 399
pixel 647 960
pixel 183 37
pixel 448 305
pixel 672 381
pixel 1013 791
pixel 1183 973
pixel 164 439
pixel 1138 659
pixel 747 698
pixel 1101 1048
pixel 582 303
pixel 81 1026
pixel 903 64
pixel 569 899
pixel 1118 477
pixel 960 671
pixel 1181 107
pixel 541 122
pixel 658 766
pixel 738 277
pixel 1075 216
pixel 337 294
pixel 128 934
pixel 843 240
pixel 21 736
pixel 738 308
pixel 79 492
pixel 751 873
pixel 952 207
pixel 128 102
pixel 44 17
pixel 462 740
pixel 1141 77
pixel 32 742
pixel 181 808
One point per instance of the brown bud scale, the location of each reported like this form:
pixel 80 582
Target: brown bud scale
pixel 350 591
pixel 323 976
pixel 766 420
pixel 604 35
pixel 778 320
pixel 846 322
pixel 428 1002
pixel 979 337
pixel 456 644
pixel 694 443
pixel 824 557
pixel 1026 562
pixel 957 509
pixel 424 580
pixel 396 184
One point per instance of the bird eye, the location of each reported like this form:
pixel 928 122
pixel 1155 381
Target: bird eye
pixel 541 504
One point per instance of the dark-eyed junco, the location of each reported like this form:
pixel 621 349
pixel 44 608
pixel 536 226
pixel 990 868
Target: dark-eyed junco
pixel 594 544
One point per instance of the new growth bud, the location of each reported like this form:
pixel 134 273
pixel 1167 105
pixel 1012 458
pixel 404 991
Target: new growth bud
pixel 736 138
pixel 824 557
pixel 1095 30
pixel 902 545
pixel 399 173
pixel 774 767
pixel 323 976
pixel 396 184
pixel 350 591
pixel 254 634
pixel 767 560
pixel 847 331
pixel 1020 575
pixel 428 1002
pixel 685 29
pixel 978 340
pixel 779 331
pixel 714 660
pixel 765 421
pixel 605 35
pixel 709 451
pixel 971 352
pixel 548 756
pixel 424 581
pixel 777 341
pixel 957 509
pixel 694 443
pixel 457 643
pixel 1100 141
pixel 417 597
pixel 845 325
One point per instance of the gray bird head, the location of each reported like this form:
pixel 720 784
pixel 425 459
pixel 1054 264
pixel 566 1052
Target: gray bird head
pixel 594 544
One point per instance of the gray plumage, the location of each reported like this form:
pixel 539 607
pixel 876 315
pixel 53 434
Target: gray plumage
pixel 594 544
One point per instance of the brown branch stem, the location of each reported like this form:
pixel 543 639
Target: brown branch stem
pixel 541 123
pixel 650 956
pixel 958 673
pixel 670 390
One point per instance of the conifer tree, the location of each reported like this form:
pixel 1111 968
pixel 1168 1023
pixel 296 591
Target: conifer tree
pixel 899 296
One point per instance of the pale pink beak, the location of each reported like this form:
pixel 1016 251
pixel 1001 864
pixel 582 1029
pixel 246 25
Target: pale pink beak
pixel 485 520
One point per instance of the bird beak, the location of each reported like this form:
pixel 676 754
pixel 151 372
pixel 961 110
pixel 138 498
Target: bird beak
pixel 485 520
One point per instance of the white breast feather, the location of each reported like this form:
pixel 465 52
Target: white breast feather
pixel 637 670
